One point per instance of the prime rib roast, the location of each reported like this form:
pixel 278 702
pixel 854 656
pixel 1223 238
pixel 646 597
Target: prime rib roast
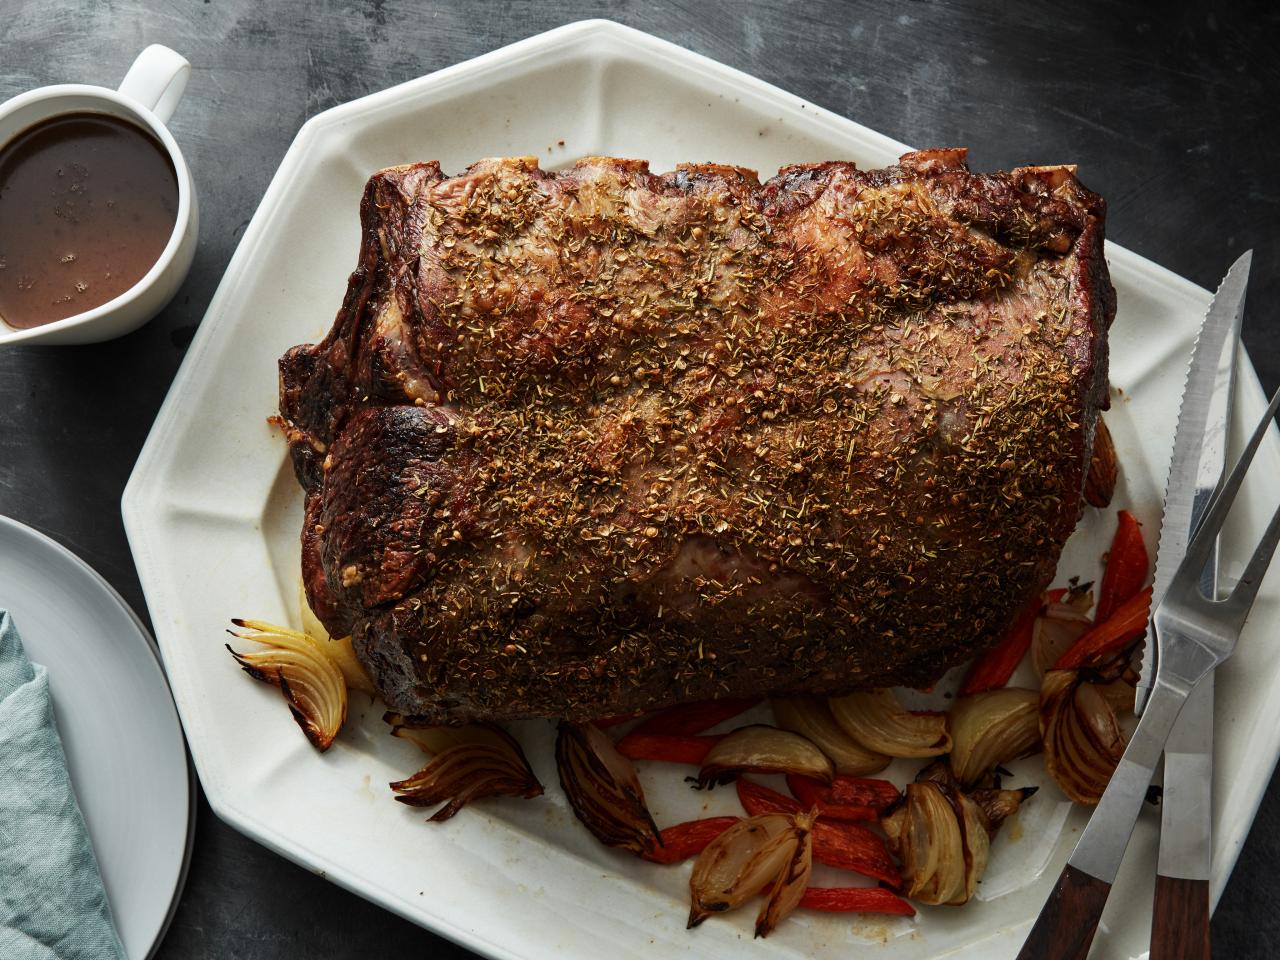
pixel 586 442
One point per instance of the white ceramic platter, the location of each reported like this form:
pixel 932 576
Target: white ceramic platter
pixel 213 514
pixel 118 726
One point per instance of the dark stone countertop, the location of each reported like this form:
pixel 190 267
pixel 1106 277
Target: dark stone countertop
pixel 1174 116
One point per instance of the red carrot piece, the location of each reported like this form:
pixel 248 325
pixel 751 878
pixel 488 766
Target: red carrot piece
pixel 1127 567
pixel 877 793
pixel 993 669
pixel 669 748
pixel 1109 637
pixel 604 723
pixel 856 900
pixel 686 840
pixel 687 719
pixel 849 846
pixel 847 798
pixel 758 799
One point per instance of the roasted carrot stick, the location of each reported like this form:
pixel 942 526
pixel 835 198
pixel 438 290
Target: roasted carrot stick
pixel 686 840
pixel 671 748
pixel 852 846
pixel 856 900
pixel 1127 566
pixel 848 798
pixel 686 719
pixel 878 793
pixel 994 668
pixel 1102 640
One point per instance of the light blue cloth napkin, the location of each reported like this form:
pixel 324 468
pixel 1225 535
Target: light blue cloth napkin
pixel 52 903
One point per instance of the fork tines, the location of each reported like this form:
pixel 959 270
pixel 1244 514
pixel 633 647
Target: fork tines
pixel 1185 585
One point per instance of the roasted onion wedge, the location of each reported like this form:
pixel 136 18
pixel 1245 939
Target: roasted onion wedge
pixel 1080 734
pixel 943 835
pixel 1119 693
pixel 603 789
pixel 1061 624
pixel 762 749
pixel 925 835
pixel 991 728
pixel 811 718
pixel 339 650
pixel 310 681
pixel 1052 636
pixel 468 763
pixel 879 722
pixel 999 805
pixel 770 854
pixel 788 888
pixel 977 841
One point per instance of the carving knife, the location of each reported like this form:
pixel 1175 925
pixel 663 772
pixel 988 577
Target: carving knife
pixel 1201 431
pixel 1193 633
pixel 1180 924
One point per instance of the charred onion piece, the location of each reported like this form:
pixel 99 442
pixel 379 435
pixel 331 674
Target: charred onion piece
pixel 340 650
pixel 603 789
pixel 1051 638
pixel 879 722
pixel 1100 484
pixel 992 728
pixel 1063 622
pixel 761 749
pixel 999 805
pixel 1119 693
pixel 811 717
pixel 1080 735
pixel 943 836
pixel 770 854
pixel 296 663
pixel 468 763
pixel 925 835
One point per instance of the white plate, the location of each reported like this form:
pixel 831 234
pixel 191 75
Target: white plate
pixel 213 514
pixel 118 726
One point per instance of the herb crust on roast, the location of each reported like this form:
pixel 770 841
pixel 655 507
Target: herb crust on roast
pixel 588 442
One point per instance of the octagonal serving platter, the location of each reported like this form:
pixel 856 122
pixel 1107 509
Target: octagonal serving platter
pixel 213 513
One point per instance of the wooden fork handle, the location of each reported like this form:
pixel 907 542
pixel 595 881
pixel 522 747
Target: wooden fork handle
pixel 1180 922
pixel 1065 928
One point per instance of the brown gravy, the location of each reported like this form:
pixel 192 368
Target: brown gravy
pixel 87 205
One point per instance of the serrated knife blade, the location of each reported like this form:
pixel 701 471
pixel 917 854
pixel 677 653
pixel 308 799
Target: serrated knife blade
pixel 1199 442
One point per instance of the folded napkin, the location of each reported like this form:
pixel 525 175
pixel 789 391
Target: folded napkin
pixel 52 902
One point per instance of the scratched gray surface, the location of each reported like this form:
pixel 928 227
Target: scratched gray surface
pixel 1174 118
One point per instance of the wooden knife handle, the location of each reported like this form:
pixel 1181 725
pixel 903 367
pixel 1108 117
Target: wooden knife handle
pixel 1180 922
pixel 1066 925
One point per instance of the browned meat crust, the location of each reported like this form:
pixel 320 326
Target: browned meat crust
pixel 588 442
